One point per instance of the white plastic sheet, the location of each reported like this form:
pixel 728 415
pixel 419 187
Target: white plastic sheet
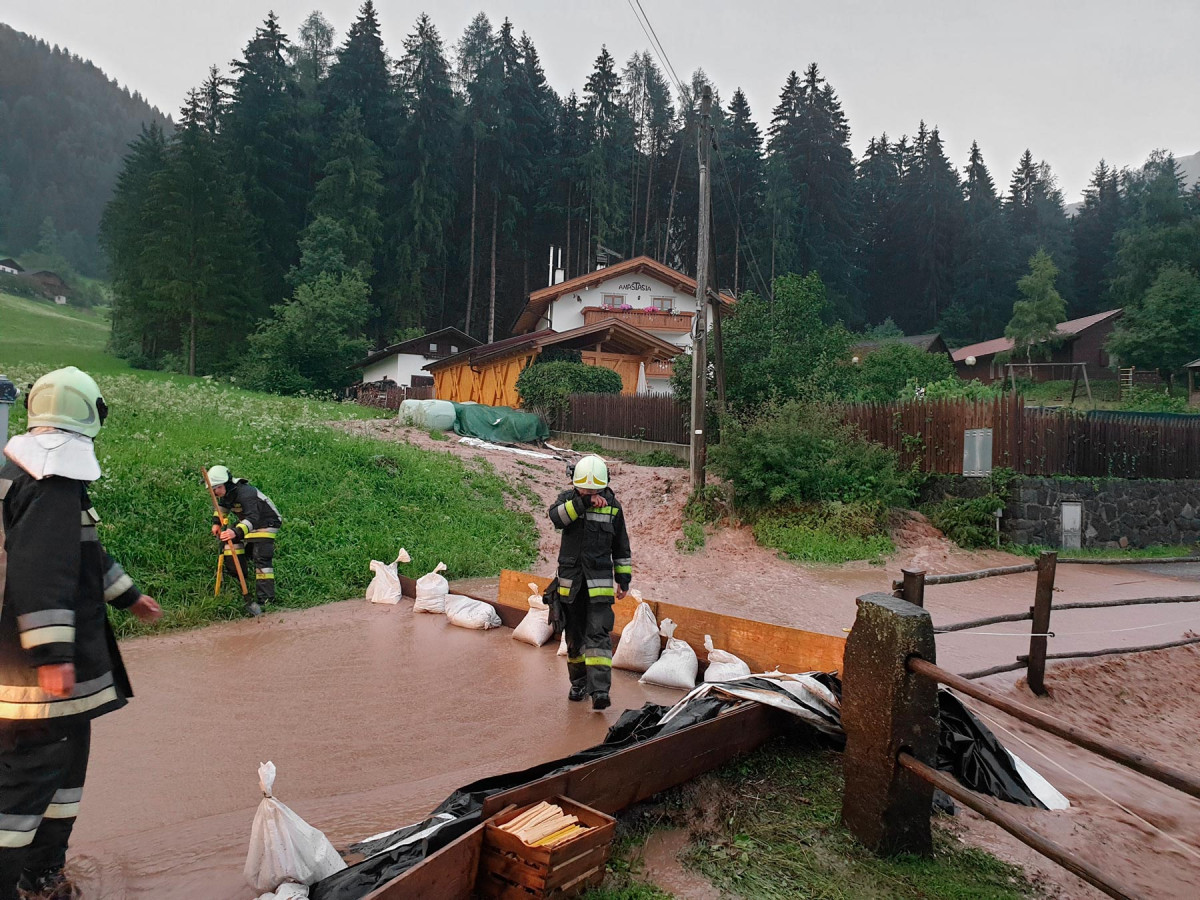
pixel 639 645
pixel 283 847
pixel 432 590
pixel 535 628
pixel 385 586
pixel 677 666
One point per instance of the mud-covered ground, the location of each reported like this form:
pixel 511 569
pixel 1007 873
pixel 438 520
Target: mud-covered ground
pixel 374 714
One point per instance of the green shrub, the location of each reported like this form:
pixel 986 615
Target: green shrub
pixel 831 533
pixel 798 453
pixel 967 522
pixel 549 386
pixel 952 388
pixel 1153 401
pixel 884 373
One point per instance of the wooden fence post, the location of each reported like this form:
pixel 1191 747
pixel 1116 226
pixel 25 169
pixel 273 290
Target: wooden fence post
pixel 1044 596
pixel 887 709
pixel 912 588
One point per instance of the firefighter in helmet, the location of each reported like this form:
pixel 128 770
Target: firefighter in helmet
pixel 594 554
pixel 59 663
pixel 255 526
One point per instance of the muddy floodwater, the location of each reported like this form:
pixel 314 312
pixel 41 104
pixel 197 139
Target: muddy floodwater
pixel 372 715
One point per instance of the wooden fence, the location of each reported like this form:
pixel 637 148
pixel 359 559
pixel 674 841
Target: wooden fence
pixel 387 395
pixel 1034 441
pixel 647 417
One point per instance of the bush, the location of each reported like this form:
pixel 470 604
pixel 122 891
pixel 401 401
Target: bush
pixel 548 386
pixel 1146 400
pixel 798 453
pixel 952 388
pixel 968 522
pixel 825 533
pixel 884 373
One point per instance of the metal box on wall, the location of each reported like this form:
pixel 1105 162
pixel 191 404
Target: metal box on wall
pixel 977 452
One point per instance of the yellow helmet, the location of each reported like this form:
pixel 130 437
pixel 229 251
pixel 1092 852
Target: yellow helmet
pixel 67 399
pixel 591 473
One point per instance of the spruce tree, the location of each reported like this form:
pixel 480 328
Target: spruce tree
pixel 1035 317
pixel 360 76
pixel 878 188
pixel 739 205
pixel 1093 231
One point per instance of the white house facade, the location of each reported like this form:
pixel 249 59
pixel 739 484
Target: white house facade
pixel 404 363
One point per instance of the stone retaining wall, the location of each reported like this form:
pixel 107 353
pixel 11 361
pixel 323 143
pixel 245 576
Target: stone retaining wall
pixel 1116 512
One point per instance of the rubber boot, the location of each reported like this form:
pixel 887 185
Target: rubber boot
pixel 577 693
pixel 600 701
pixel 253 609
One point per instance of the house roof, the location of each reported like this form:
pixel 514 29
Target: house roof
pixel 1194 364
pixel 930 343
pixel 11 263
pixel 539 301
pixel 617 336
pixel 1068 330
pixel 416 345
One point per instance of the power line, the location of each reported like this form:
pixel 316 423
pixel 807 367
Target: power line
pixel 666 58
pixel 758 276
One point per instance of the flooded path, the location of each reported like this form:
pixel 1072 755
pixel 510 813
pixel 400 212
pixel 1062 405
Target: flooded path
pixel 372 715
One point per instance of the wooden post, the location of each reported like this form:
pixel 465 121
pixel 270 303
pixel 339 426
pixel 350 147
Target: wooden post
pixel 700 343
pixel 1046 565
pixel 913 586
pixel 887 709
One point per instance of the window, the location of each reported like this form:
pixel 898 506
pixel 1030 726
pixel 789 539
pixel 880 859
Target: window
pixel 433 348
pixel 612 301
pixel 453 349
pixel 664 303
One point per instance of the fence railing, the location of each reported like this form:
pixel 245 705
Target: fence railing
pixel 1033 441
pixel 383 395
pixel 890 715
pixel 647 417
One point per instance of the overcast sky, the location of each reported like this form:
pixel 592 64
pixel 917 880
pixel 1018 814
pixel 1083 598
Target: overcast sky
pixel 1073 81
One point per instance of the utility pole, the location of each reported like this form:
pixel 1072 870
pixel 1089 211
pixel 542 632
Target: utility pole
pixel 700 342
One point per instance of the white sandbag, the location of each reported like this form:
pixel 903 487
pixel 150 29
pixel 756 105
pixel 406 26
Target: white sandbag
pixel 467 613
pixel 535 628
pixel 432 590
pixel 283 847
pixel 409 411
pixel 385 586
pixel 562 646
pixel 436 415
pixel 639 644
pixel 677 666
pixel 723 666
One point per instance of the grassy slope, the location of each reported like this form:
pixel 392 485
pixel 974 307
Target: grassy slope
pixel 345 499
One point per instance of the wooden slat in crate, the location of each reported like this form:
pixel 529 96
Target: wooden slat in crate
pixel 544 872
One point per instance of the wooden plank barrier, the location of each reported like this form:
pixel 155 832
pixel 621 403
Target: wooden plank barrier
pixel 763 646
pixel 448 874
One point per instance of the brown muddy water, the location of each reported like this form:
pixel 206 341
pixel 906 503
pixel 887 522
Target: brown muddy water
pixel 372 714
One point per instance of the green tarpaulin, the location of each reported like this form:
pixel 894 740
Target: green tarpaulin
pixel 499 424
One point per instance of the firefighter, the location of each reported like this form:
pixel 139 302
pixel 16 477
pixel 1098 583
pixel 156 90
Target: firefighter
pixel 594 554
pixel 59 663
pixel 257 526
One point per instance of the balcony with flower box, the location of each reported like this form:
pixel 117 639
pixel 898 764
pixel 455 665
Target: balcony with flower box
pixel 659 320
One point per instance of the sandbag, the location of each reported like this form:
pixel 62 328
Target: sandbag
pixel 432 590
pixel 639 644
pixel 535 628
pixel 436 415
pixel 289 891
pixel 385 586
pixel 723 666
pixel 467 613
pixel 562 646
pixel 283 847
pixel 677 666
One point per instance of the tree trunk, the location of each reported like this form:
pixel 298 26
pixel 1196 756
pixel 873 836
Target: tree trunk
pixel 567 273
pixel 492 299
pixel 471 263
pixel 192 345
pixel 671 206
pixel 649 184
pixel 737 249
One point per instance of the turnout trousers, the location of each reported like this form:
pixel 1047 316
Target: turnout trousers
pixel 42 769
pixel 589 625
pixel 257 556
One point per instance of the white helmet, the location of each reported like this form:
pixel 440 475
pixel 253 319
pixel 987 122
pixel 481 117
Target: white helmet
pixel 218 475
pixel 591 473
pixel 67 399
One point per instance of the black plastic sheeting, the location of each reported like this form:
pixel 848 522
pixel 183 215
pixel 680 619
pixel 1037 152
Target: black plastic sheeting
pixel 466 804
pixel 971 753
pixel 966 749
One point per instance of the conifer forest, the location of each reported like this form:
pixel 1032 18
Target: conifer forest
pixel 328 185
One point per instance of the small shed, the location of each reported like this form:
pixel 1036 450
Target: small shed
pixel 404 363
pixel 488 374
pixel 1193 394
pixel 10 266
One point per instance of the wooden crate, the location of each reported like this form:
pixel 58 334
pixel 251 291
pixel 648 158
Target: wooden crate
pixel 510 869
